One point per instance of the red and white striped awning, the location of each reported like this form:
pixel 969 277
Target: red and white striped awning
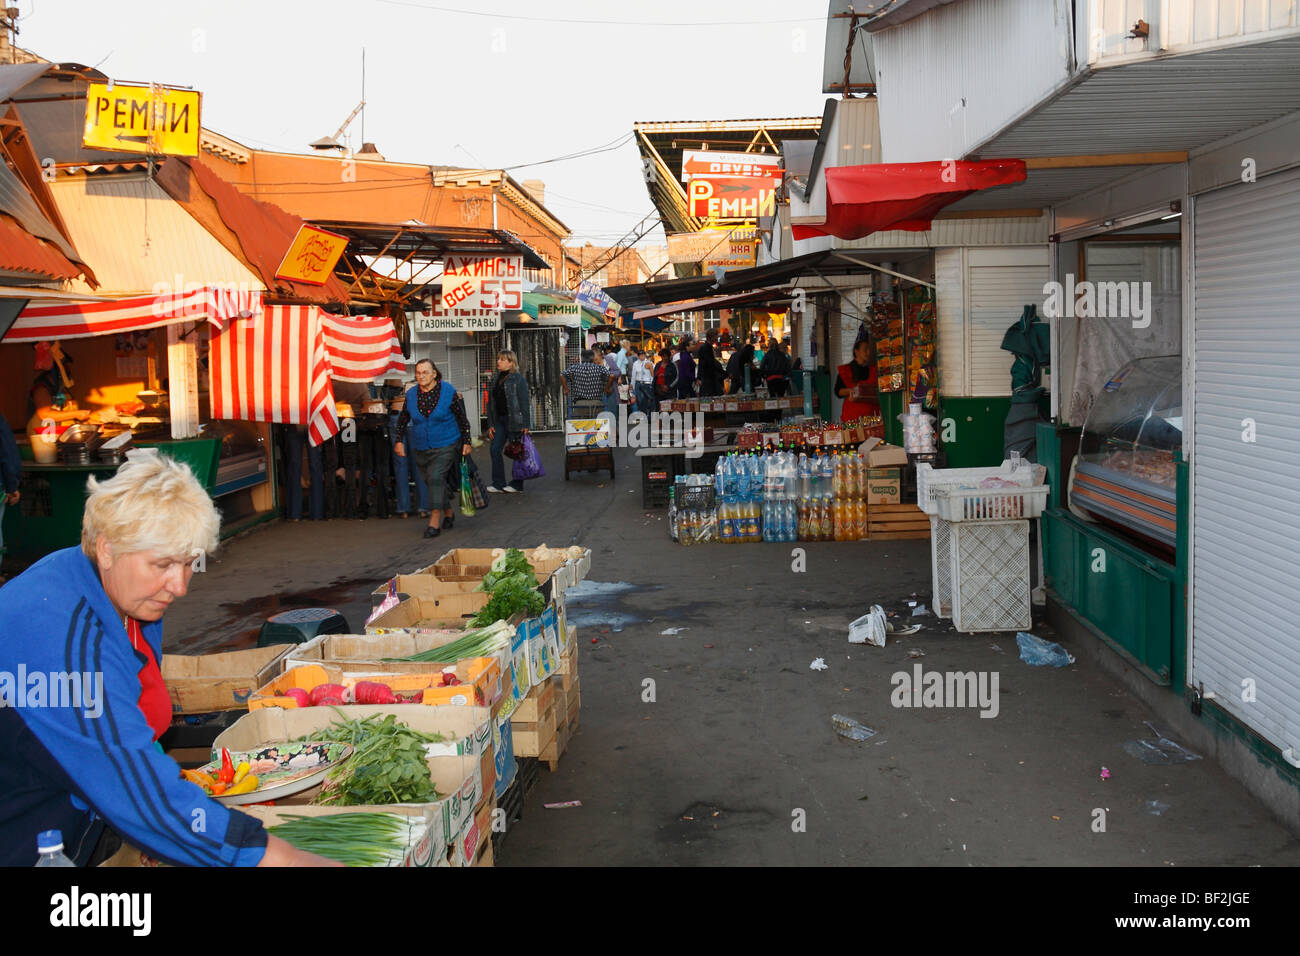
pixel 215 304
pixel 362 347
pixel 275 368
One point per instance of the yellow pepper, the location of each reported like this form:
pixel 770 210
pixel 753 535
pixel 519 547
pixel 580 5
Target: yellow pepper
pixel 242 771
pixel 247 785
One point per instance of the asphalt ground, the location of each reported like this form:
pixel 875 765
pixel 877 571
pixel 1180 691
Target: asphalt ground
pixel 713 744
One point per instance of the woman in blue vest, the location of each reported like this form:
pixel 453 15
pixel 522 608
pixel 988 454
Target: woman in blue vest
pixel 437 429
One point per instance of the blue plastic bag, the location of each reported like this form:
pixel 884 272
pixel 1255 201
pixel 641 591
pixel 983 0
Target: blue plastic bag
pixel 1040 653
pixel 529 465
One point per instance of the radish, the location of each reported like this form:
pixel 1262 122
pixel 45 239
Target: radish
pixel 330 702
pixel 300 696
pixel 322 691
pixel 373 692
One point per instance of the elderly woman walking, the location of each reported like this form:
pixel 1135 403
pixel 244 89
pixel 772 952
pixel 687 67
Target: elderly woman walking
pixel 436 427
pixel 509 415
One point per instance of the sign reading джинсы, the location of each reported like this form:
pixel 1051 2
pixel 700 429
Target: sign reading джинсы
pixel 477 283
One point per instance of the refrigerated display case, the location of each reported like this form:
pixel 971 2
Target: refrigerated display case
pixel 1125 475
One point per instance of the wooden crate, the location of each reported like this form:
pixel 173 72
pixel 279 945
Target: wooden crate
pixel 555 750
pixel 896 522
pixel 532 738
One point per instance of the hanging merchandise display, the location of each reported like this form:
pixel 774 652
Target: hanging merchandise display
pixel 887 330
pixel 922 381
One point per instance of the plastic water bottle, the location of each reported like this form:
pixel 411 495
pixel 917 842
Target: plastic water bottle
pixel 49 847
pixel 851 729
pixel 791 522
pixel 828 477
pixel 805 479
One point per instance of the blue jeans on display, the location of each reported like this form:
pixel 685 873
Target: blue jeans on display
pixel 294 441
pixel 499 439
pixel 402 473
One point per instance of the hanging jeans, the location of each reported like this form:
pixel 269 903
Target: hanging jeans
pixel 404 473
pixel 352 494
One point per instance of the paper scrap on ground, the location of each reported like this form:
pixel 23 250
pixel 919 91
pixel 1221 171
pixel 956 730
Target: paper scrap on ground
pixel 920 611
pixel 1037 652
pixel 818 665
pixel 673 630
pixel 562 806
pixel 1156 808
pixel 870 628
pixel 904 631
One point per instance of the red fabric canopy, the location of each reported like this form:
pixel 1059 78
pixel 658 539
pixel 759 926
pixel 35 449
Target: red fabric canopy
pixel 861 200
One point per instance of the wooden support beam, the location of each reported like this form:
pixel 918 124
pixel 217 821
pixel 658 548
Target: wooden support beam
pixel 1106 159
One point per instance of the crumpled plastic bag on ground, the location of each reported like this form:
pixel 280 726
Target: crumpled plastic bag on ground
pixel 1037 652
pixel 870 628
pixel 818 665
pixel 1160 751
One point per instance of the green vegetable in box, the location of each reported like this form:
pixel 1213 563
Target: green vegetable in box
pixel 388 762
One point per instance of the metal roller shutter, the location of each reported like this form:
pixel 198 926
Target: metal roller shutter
pixel 1246 495
pixel 999 284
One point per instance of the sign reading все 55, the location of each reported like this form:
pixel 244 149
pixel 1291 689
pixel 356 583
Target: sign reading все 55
pixel 483 282
pixel 142 119
pixel 742 198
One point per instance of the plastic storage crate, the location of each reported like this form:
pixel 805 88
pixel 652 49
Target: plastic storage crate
pixel 990 504
pixel 658 472
pixel 941 567
pixel 990 576
pixel 929 480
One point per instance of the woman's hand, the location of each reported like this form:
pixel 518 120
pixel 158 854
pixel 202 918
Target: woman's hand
pixel 466 450
pixel 399 450
pixel 492 432
pixel 283 853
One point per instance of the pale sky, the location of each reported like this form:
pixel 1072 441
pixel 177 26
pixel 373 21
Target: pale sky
pixel 513 86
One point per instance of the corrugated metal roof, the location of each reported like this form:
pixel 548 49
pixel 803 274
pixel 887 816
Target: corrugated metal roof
pixel 135 236
pixel 259 233
pixel 17 201
pixel 21 253
pixel 14 76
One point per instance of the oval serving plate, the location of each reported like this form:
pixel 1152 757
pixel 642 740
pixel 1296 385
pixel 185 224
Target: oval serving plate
pixel 284 769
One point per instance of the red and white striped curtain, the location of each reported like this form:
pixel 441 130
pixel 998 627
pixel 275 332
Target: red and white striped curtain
pixel 362 347
pixel 218 305
pixel 275 368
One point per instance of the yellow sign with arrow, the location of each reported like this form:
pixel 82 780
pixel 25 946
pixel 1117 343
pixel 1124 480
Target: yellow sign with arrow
pixel 142 119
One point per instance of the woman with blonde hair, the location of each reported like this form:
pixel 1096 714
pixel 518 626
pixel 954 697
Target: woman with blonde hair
pixel 509 417
pixel 78 735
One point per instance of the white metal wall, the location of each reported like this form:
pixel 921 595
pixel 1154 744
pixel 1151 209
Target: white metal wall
pixel 1245 606
pixel 1183 26
pixel 952 78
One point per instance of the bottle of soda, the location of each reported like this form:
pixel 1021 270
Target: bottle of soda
pixel 672 513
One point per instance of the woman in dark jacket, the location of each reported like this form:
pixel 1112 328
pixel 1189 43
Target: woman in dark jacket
pixel 774 369
pixel 510 415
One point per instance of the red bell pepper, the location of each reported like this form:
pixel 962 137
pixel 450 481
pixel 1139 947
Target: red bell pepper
pixel 227 774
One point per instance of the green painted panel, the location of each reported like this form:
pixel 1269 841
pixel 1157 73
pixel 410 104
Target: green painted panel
pixel 1124 595
pixel 891 406
pixel 977 430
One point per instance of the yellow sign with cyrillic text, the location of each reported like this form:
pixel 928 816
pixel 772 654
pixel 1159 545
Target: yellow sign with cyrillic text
pixel 142 119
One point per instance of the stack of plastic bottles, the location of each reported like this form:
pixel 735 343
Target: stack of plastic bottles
pixel 777 496
pixel 688 523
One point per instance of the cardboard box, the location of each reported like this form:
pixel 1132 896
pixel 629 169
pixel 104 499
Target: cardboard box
pixel 457 777
pixel 447 611
pixel 427 584
pixel 586 433
pixel 426 847
pixel 884 486
pixel 480 682
pixel 201 684
pixel 882 455
pixel 477 830
pixel 568 665
pixel 503 749
pixel 521 669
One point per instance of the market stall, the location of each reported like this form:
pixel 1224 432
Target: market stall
pixel 395 747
